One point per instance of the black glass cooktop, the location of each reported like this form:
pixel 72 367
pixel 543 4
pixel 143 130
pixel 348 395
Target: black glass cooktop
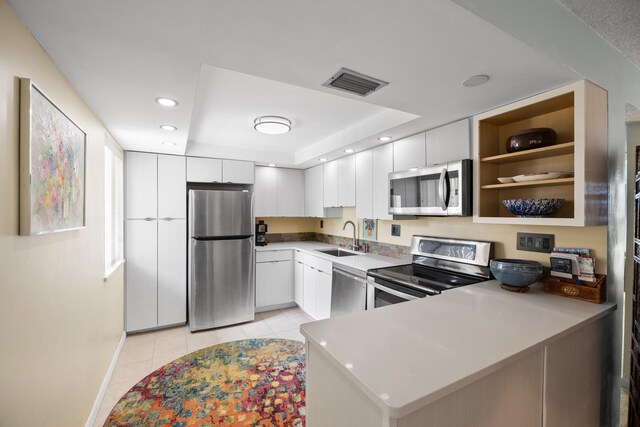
pixel 423 277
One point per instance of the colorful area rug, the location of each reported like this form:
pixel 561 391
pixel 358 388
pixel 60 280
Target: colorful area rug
pixel 257 382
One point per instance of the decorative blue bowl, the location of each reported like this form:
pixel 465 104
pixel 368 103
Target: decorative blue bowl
pixel 533 208
pixel 516 272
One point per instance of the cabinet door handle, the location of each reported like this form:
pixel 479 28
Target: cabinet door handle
pixel 149 219
pixel 168 218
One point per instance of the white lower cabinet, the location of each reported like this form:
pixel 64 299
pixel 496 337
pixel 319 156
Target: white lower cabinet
pixel 172 272
pixel 323 292
pixel 274 279
pixel 141 274
pixel 310 291
pixel 156 291
pixel 298 283
pixel 317 287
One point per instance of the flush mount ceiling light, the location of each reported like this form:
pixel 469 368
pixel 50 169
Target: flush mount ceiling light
pixel 349 150
pixel 272 125
pixel 168 127
pixel 167 102
pixel 384 139
pixel 478 80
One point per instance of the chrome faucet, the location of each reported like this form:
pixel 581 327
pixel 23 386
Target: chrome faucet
pixel 354 246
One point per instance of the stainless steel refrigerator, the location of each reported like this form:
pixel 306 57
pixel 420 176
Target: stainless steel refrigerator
pixel 221 251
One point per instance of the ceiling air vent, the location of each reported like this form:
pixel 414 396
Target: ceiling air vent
pixel 354 82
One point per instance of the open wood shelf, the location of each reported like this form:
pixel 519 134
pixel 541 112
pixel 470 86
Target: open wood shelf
pixel 578 114
pixel 539 183
pixel 536 153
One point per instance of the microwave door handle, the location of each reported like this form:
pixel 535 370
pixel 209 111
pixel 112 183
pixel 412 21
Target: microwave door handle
pixel 442 193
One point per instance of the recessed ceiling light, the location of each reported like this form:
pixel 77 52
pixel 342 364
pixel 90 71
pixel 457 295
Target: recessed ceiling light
pixel 272 125
pixel 384 139
pixel 167 102
pixel 169 143
pixel 478 80
pixel 272 165
pixel 323 159
pixel 349 150
pixel 168 127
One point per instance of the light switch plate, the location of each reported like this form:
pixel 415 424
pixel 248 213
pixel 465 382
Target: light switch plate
pixel 395 229
pixel 534 242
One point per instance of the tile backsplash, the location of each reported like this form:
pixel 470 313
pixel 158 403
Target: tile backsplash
pixel 373 247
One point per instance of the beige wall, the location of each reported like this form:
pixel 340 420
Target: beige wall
pixel 504 235
pixel 289 225
pixel 60 321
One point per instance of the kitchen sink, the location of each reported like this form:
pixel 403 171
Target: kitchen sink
pixel 337 252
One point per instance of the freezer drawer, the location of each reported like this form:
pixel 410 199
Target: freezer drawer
pixel 221 282
pixel 220 213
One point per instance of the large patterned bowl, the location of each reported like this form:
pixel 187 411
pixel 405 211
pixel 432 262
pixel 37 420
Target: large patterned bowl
pixel 533 208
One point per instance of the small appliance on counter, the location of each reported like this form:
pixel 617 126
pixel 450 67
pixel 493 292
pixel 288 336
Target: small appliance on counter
pixel 261 233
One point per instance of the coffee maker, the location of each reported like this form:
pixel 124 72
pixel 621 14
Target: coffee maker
pixel 261 233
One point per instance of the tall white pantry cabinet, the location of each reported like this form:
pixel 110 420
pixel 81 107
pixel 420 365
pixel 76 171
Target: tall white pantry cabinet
pixel 155 245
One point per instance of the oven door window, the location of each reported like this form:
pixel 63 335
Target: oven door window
pixel 396 294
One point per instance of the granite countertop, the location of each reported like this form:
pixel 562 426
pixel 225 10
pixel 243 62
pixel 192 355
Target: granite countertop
pixel 362 262
pixel 405 356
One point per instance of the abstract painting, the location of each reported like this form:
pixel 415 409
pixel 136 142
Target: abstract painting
pixel 52 166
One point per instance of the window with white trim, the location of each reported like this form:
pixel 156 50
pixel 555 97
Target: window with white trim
pixel 113 211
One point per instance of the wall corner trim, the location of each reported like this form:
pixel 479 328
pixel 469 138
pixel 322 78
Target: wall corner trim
pixel 105 383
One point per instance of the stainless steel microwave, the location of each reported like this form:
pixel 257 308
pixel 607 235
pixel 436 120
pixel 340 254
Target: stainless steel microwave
pixel 439 190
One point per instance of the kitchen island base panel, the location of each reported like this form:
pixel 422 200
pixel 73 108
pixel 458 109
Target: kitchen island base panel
pixel 572 378
pixel 555 385
pixel 333 399
pixel 509 397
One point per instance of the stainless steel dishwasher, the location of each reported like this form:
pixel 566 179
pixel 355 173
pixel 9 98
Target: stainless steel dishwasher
pixel 348 290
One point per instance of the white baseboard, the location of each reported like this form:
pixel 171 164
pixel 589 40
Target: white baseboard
pixel 105 383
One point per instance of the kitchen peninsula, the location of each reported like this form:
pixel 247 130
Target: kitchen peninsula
pixel 476 355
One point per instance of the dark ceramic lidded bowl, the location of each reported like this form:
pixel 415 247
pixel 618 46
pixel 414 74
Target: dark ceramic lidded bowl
pixel 518 273
pixel 528 139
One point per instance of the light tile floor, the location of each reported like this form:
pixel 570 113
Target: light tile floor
pixel 143 353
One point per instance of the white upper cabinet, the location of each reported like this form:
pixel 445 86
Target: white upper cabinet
pixel 266 192
pixel 172 187
pixel 382 166
pixel 331 184
pixel 346 182
pixel 200 169
pixel 314 191
pixel 290 192
pixel 237 172
pixel 409 152
pixel 449 143
pixel 364 184
pixel 141 178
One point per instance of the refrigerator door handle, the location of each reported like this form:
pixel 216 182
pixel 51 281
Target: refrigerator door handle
pixel 210 238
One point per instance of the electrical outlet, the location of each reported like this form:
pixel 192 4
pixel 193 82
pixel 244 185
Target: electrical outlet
pixel 395 229
pixel 534 242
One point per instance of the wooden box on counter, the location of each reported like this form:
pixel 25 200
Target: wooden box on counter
pixel 570 289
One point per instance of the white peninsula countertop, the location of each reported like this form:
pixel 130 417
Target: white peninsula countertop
pixel 362 262
pixel 406 356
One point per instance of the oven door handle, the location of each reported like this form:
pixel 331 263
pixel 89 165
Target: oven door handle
pixel 393 291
